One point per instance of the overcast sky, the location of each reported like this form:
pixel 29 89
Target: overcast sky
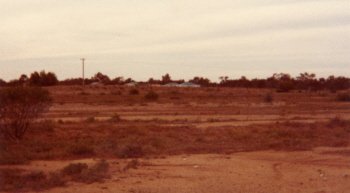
pixel 186 38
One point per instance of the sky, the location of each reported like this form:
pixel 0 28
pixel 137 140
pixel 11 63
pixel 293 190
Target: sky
pixel 185 38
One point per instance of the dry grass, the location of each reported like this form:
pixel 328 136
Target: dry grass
pixel 134 140
pixel 21 181
pixel 116 136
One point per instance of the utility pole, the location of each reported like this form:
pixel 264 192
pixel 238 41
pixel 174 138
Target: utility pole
pixel 83 62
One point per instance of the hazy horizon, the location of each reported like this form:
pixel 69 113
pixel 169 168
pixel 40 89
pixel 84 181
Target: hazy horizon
pixel 189 38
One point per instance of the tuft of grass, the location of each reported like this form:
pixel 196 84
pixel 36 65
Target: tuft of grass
pixel 115 118
pixel 268 98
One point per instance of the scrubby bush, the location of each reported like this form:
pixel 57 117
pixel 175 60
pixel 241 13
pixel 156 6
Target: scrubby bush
pixel 133 164
pixel 82 173
pixel 81 150
pixel 134 91
pixel 19 107
pixel 151 95
pixel 130 151
pixel 16 180
pixel 285 87
pixel 96 173
pixel 74 169
pixel 343 97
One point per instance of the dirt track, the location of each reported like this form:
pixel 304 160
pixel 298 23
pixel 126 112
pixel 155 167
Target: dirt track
pixel 319 171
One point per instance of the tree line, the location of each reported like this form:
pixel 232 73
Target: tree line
pixel 282 82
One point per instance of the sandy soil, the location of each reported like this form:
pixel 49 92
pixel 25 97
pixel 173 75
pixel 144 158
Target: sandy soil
pixel 319 171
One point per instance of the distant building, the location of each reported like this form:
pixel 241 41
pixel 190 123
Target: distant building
pixel 131 84
pixel 172 84
pixel 189 84
pixel 97 84
pixel 155 85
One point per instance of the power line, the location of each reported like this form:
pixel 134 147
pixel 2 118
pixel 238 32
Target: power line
pixel 83 70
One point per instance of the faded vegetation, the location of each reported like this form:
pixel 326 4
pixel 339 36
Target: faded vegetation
pixel 19 107
pixel 17 180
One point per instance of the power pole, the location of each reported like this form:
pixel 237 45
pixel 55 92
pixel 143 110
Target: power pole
pixel 83 62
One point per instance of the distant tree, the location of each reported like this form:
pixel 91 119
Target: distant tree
pixel 43 79
pixel 102 78
pixel 14 82
pixel 166 79
pixel 307 81
pixel 50 79
pixel 19 107
pixel 128 80
pixel 35 79
pixel 223 79
pixel 2 82
pixel 285 82
pixel 201 81
pixel 23 79
pixel 337 83
pixel 118 80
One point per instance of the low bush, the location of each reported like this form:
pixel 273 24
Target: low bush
pixel 151 95
pixel 74 169
pixel 15 180
pixel 130 151
pixel 81 150
pixel 134 91
pixel 285 87
pixel 133 164
pixel 343 97
pixel 96 173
